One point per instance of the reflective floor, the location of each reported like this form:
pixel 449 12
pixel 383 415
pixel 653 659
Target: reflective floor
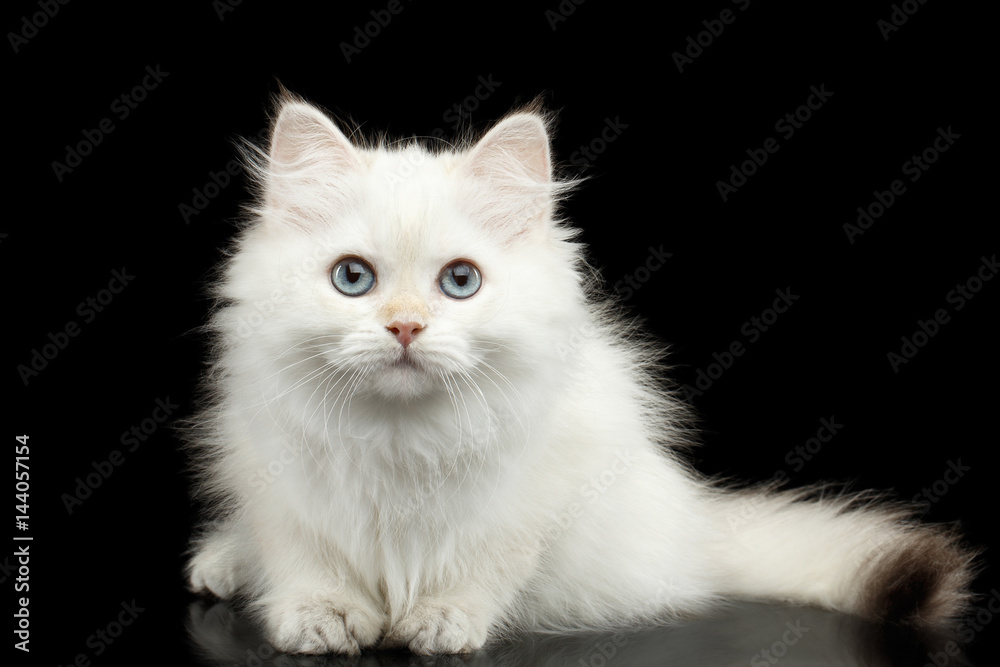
pixel 746 634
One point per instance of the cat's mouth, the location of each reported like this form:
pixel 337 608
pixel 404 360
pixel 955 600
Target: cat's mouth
pixel 403 376
pixel 405 360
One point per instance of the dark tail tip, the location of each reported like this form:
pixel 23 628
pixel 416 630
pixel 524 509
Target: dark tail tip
pixel 923 581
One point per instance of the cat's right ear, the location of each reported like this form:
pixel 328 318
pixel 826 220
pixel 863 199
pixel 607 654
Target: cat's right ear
pixel 305 146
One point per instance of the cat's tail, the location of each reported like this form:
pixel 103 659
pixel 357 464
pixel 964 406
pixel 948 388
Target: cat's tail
pixel 855 553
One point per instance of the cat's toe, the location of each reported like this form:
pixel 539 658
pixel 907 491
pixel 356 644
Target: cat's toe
pixel 208 578
pixel 321 625
pixel 438 628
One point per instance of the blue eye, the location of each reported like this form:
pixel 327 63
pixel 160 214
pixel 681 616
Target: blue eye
pixel 353 276
pixel 460 280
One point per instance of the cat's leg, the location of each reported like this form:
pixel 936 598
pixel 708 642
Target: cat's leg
pixel 310 603
pixel 459 618
pixel 217 565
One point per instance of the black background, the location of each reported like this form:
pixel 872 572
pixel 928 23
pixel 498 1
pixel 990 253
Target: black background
pixel 653 186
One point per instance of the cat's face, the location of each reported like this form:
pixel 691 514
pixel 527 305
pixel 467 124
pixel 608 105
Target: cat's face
pixel 402 272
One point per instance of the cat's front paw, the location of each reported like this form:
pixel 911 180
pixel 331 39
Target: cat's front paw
pixel 320 624
pixel 432 628
pixel 210 574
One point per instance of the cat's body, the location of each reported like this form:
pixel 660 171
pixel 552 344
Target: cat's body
pixel 469 441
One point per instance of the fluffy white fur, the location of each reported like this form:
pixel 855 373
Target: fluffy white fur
pixel 515 467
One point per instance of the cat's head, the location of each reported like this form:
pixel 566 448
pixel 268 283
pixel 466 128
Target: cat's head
pixel 399 268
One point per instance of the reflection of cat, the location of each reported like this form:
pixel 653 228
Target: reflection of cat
pixel 760 633
pixel 400 450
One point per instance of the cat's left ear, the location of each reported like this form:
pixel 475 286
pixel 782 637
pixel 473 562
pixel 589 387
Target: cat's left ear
pixel 516 149
pixel 513 169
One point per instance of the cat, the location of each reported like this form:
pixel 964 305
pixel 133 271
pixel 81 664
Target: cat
pixel 426 427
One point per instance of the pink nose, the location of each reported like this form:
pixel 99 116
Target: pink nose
pixel 404 331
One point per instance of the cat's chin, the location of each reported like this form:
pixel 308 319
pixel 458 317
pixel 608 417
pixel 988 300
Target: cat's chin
pixel 402 379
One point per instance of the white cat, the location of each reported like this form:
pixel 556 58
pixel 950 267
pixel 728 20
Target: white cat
pixel 426 428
